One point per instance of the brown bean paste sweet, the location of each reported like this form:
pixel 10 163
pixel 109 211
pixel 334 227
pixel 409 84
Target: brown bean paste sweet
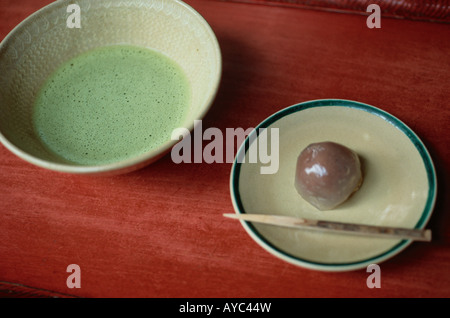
pixel 327 174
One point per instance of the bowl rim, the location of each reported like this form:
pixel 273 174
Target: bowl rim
pixel 344 103
pixel 130 163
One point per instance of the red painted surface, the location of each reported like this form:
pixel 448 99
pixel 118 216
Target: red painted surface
pixel 159 231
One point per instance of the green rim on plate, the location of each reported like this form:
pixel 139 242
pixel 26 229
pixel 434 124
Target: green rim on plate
pixel 419 146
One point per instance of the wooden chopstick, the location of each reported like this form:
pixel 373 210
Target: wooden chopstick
pixel 336 227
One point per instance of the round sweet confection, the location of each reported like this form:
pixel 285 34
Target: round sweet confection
pixel 327 174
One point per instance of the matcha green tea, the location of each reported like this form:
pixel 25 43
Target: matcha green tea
pixel 110 104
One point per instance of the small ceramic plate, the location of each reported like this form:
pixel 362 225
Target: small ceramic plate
pixel 399 187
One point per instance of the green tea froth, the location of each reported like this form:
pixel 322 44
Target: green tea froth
pixel 110 104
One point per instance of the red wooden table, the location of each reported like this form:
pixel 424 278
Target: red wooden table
pixel 159 231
